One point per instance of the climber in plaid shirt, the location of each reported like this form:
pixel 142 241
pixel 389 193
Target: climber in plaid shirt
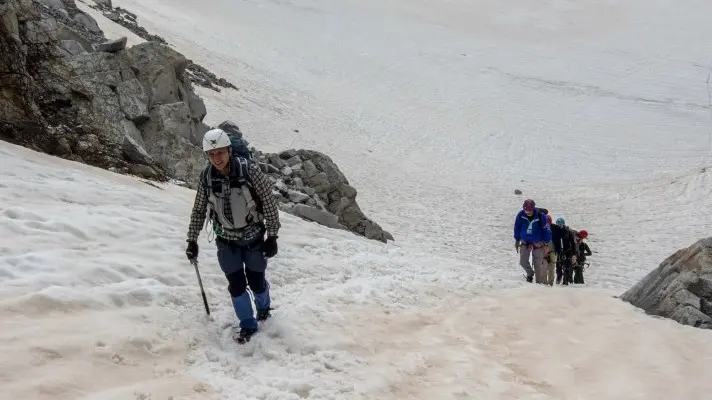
pixel 237 197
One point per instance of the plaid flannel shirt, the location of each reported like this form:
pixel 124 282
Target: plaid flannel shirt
pixel 263 190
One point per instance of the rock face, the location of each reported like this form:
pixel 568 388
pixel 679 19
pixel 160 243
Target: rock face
pixel 129 109
pixel 680 288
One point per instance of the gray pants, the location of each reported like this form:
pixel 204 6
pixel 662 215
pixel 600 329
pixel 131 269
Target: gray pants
pixel 537 254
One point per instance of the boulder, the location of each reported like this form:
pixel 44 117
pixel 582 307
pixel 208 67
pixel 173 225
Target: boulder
pixel 313 214
pixel 86 22
pixel 231 127
pixel 161 71
pixel 680 288
pixel 133 100
pixel 56 4
pixel 104 3
pixel 112 46
pixel 42 31
pixel 167 136
pixel 158 68
pixel 71 47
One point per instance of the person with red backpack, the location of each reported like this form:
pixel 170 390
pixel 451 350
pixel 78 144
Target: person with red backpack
pixel 531 237
pixel 582 250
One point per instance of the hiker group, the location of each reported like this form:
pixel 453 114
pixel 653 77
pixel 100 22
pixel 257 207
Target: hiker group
pixel 558 252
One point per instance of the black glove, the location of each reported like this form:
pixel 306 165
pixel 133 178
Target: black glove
pixel 192 250
pixel 269 247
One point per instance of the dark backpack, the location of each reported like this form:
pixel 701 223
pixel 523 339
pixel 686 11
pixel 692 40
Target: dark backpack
pixel 239 147
pixel 239 144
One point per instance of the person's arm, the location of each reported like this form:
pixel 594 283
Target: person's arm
pixel 263 189
pixel 197 216
pixel 547 231
pixel 587 250
pixel 517 228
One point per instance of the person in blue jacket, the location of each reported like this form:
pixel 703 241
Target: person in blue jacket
pixel 532 234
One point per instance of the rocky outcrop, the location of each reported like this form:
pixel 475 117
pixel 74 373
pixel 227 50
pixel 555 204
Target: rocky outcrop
pixel 198 75
pixel 310 185
pixel 680 288
pixel 131 110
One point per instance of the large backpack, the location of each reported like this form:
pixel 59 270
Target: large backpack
pixel 239 144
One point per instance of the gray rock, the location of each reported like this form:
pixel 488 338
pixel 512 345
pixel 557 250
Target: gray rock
pixel 55 4
pixel 104 3
pixel 517 191
pixel 197 132
pixel 680 288
pixel 294 161
pixel 231 127
pixel 71 47
pixel 309 169
pixel 42 31
pixel 297 197
pixel 133 145
pixel 159 69
pixel 112 46
pixel 276 161
pixel 9 22
pixel 281 186
pixel 286 171
pixel 88 71
pixel 145 171
pixel 133 100
pixel 66 32
pixel 87 144
pixel 198 111
pixel 312 214
pixel 87 22
pixel 167 137
pixel 287 154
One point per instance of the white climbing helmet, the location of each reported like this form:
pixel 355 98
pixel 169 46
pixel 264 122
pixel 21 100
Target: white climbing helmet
pixel 215 139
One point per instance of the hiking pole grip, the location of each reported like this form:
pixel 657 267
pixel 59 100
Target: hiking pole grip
pixel 200 282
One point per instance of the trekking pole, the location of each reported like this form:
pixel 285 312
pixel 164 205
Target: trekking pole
pixel 200 282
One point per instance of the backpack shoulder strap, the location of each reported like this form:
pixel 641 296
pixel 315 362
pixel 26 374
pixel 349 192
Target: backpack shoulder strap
pixel 205 176
pixel 241 170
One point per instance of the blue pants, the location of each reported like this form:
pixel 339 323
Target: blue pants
pixel 245 268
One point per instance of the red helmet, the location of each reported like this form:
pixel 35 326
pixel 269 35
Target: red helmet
pixel 583 234
pixel 548 218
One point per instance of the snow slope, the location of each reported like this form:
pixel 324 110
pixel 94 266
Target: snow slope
pixel 98 302
pixel 435 111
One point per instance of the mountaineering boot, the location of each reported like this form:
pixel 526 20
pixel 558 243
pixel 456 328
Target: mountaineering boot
pixel 243 335
pixel 244 312
pixel 262 303
pixel 263 314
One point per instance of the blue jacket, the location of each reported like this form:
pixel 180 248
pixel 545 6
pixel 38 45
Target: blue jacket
pixel 536 230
